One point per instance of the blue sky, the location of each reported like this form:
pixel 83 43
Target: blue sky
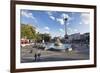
pixel 52 22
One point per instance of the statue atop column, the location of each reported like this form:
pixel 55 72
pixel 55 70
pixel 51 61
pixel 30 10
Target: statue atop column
pixel 66 35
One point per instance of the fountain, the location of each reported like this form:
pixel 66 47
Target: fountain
pixel 57 43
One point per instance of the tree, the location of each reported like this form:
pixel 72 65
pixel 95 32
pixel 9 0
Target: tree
pixel 28 31
pixel 46 37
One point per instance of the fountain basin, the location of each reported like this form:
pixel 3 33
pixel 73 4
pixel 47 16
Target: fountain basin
pixel 53 47
pixel 58 44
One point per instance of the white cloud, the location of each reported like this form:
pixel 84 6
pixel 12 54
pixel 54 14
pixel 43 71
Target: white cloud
pixel 28 15
pixel 85 19
pixel 37 30
pixel 60 20
pixel 61 30
pixel 75 30
pixel 64 15
pixel 80 23
pixel 70 29
pixel 50 14
pixel 46 28
pixel 52 17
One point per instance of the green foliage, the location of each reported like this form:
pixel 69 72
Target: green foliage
pixel 28 31
pixel 46 37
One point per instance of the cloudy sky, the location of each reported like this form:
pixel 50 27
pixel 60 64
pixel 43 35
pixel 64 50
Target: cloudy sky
pixel 53 21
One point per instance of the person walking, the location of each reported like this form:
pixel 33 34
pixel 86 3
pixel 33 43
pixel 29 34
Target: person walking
pixel 39 54
pixel 35 56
